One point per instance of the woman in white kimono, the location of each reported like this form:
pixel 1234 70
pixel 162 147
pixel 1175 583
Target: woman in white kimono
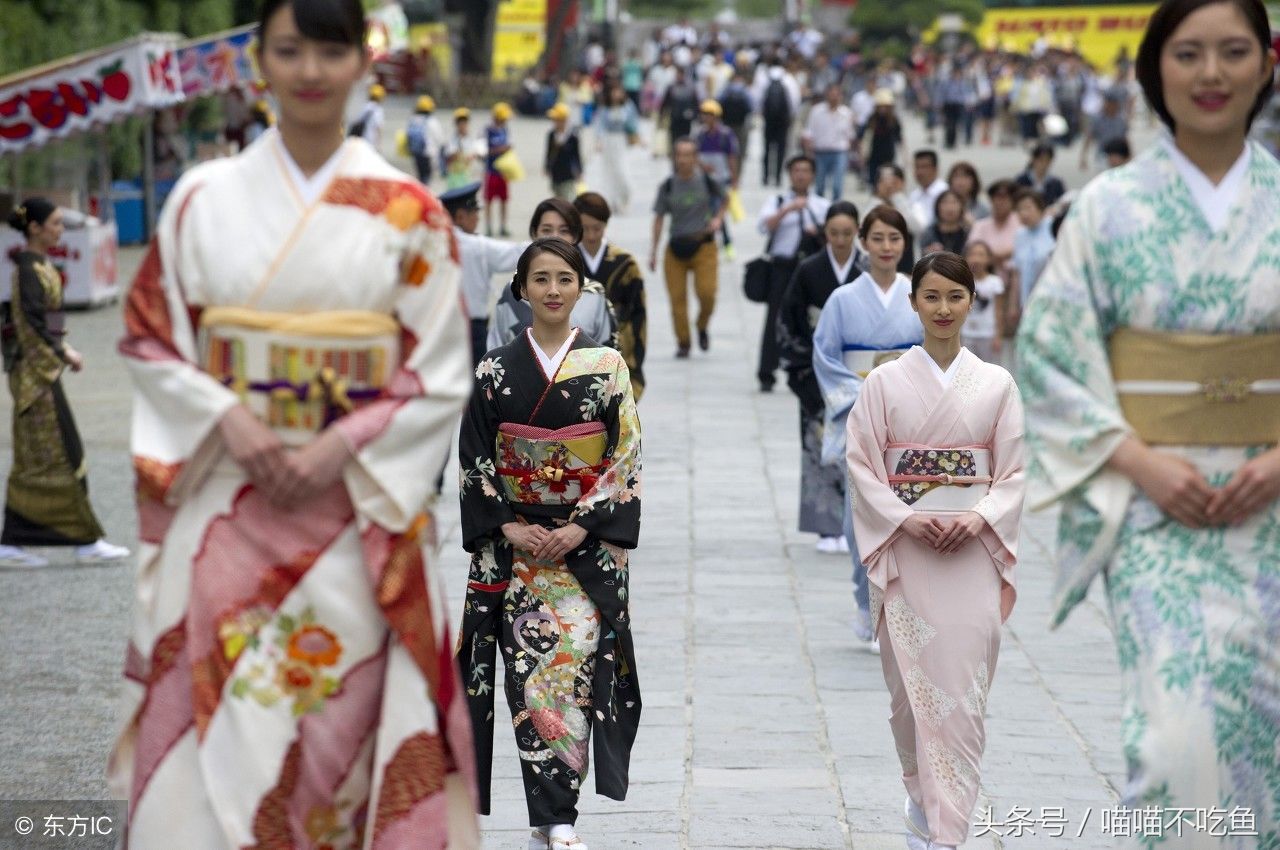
pixel 935 466
pixel 863 324
pixel 299 361
pixel 617 127
pixel 1150 359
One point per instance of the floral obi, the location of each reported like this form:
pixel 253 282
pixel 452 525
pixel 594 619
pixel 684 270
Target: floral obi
pixel 861 359
pixel 1184 389
pixel 300 371
pixel 940 480
pixel 539 466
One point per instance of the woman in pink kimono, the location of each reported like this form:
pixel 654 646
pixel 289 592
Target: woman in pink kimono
pixel 935 466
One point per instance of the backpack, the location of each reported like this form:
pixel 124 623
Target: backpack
pixel 777 105
pixel 417 136
pixel 736 106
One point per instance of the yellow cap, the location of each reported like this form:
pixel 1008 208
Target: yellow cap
pixel 377 92
pixel 460 113
pixel 426 103
pixel 501 111
pixel 711 107
pixel 559 112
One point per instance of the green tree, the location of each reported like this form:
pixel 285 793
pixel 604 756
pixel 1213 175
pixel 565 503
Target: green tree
pixel 891 27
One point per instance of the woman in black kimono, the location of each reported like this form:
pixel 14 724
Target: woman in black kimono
pixel 821 487
pixel 550 491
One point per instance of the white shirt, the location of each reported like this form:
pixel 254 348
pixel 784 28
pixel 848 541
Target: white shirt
pixel 551 365
pixel 309 188
pixel 1214 201
pixel 981 323
pixel 593 262
pixel 481 259
pixel 943 377
pixel 842 272
pixel 829 129
pixel 863 104
pixel 922 201
pixel 786 239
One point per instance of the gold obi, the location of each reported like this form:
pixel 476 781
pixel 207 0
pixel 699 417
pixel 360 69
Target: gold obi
pixel 860 360
pixel 1186 389
pixel 538 466
pixel 300 371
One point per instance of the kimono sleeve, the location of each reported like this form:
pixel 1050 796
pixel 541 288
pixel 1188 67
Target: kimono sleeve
pixel 626 296
pixel 839 385
pixel 878 513
pixel 484 506
pixel 795 343
pixel 1001 508
pixel 176 404
pixel 610 510
pixel 1073 418
pixel 400 442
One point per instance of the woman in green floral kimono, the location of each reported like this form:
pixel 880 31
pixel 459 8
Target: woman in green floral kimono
pixel 47 500
pixel 550 489
pixel 1150 365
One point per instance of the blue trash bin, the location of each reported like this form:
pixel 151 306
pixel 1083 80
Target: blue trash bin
pixel 126 202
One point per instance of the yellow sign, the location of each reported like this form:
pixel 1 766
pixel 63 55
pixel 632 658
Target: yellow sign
pixel 519 37
pixel 1097 32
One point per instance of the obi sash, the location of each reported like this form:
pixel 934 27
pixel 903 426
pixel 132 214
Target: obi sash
pixel 860 360
pixel 936 479
pixel 539 466
pixel 300 371
pixel 1187 389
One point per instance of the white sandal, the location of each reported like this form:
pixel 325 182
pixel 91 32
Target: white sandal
pixel 917 827
pixel 538 840
pixel 573 842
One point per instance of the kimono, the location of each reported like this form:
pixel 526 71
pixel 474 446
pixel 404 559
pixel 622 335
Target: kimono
pixel 47 498
pixel 552 449
pixel 1194 610
pixel 939 614
pixel 623 283
pixel 821 486
pixel 289 681
pixel 593 313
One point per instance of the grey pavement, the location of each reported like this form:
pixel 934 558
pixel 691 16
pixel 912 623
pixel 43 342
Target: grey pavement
pixel 765 724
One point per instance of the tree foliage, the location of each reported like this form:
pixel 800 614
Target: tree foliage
pixel 892 26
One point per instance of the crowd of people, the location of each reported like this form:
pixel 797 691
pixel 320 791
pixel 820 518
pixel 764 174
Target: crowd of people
pixel 289 665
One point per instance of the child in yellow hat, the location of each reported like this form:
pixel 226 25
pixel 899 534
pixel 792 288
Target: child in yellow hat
pixel 563 160
pixel 425 137
pixel 495 185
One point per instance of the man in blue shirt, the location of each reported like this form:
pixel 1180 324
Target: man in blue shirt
pixel 1033 243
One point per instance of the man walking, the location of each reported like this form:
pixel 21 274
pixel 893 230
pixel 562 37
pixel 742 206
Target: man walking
pixel 827 136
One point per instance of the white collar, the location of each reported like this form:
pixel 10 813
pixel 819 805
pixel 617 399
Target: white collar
pixel 593 262
pixel 551 365
pixel 842 272
pixel 944 377
pixel 1214 201
pixel 309 188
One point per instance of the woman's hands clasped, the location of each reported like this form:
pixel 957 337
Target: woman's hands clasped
pixel 544 543
pixel 944 536
pixel 287 477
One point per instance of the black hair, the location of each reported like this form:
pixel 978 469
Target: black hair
pixel 799 158
pixel 1167 17
pixel 1042 149
pixel 842 208
pixel 895 168
pixel 1002 187
pixel 339 21
pixel 888 215
pixel 594 205
pixel 926 153
pixel 1028 194
pixel 1119 146
pixel 31 211
pixel 1058 220
pixel 967 168
pixel 951 266
pixel 548 245
pixel 566 211
pixel 948 193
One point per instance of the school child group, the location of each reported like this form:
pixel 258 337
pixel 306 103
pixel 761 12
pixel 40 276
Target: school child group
pixel 299 371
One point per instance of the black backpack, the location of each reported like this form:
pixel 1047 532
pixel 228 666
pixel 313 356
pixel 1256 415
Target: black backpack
pixel 777 105
pixel 736 106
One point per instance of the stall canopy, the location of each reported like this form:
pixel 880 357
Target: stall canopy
pixel 217 63
pixel 54 101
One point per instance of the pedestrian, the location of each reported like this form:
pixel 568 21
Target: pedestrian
pixel 949 230
pixel 497 143
pixel 459 152
pixel 558 218
pixel 481 258
pixel 562 162
pixel 883 134
pixel 736 107
pixel 298 369
pixel 261 119
pixel 696 204
pixel 828 135
pixel 958 97
pixel 793 223
pixel 1110 123
pixel 963 179
pixel 863 324
pixel 1000 228
pixel 935 460
pixel 1031 250
pixel 632 77
pixel 679 109
pixel 822 489
pixel 1143 355
pixel 890 191
pixel 550 497
pixel 929 185
pixel 617 131
pixel 1032 101
pixel 983 332
pixel 425 137
pixel 720 157
pixel 368 125
pixel 1117 152
pixel 47 498
pixel 619 272
pixel 778 107
pixel 1036 175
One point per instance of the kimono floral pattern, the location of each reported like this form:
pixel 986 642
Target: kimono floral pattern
pixel 957 462
pixel 1195 610
pixel 293 664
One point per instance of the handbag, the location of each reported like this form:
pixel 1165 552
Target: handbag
pixel 757 275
